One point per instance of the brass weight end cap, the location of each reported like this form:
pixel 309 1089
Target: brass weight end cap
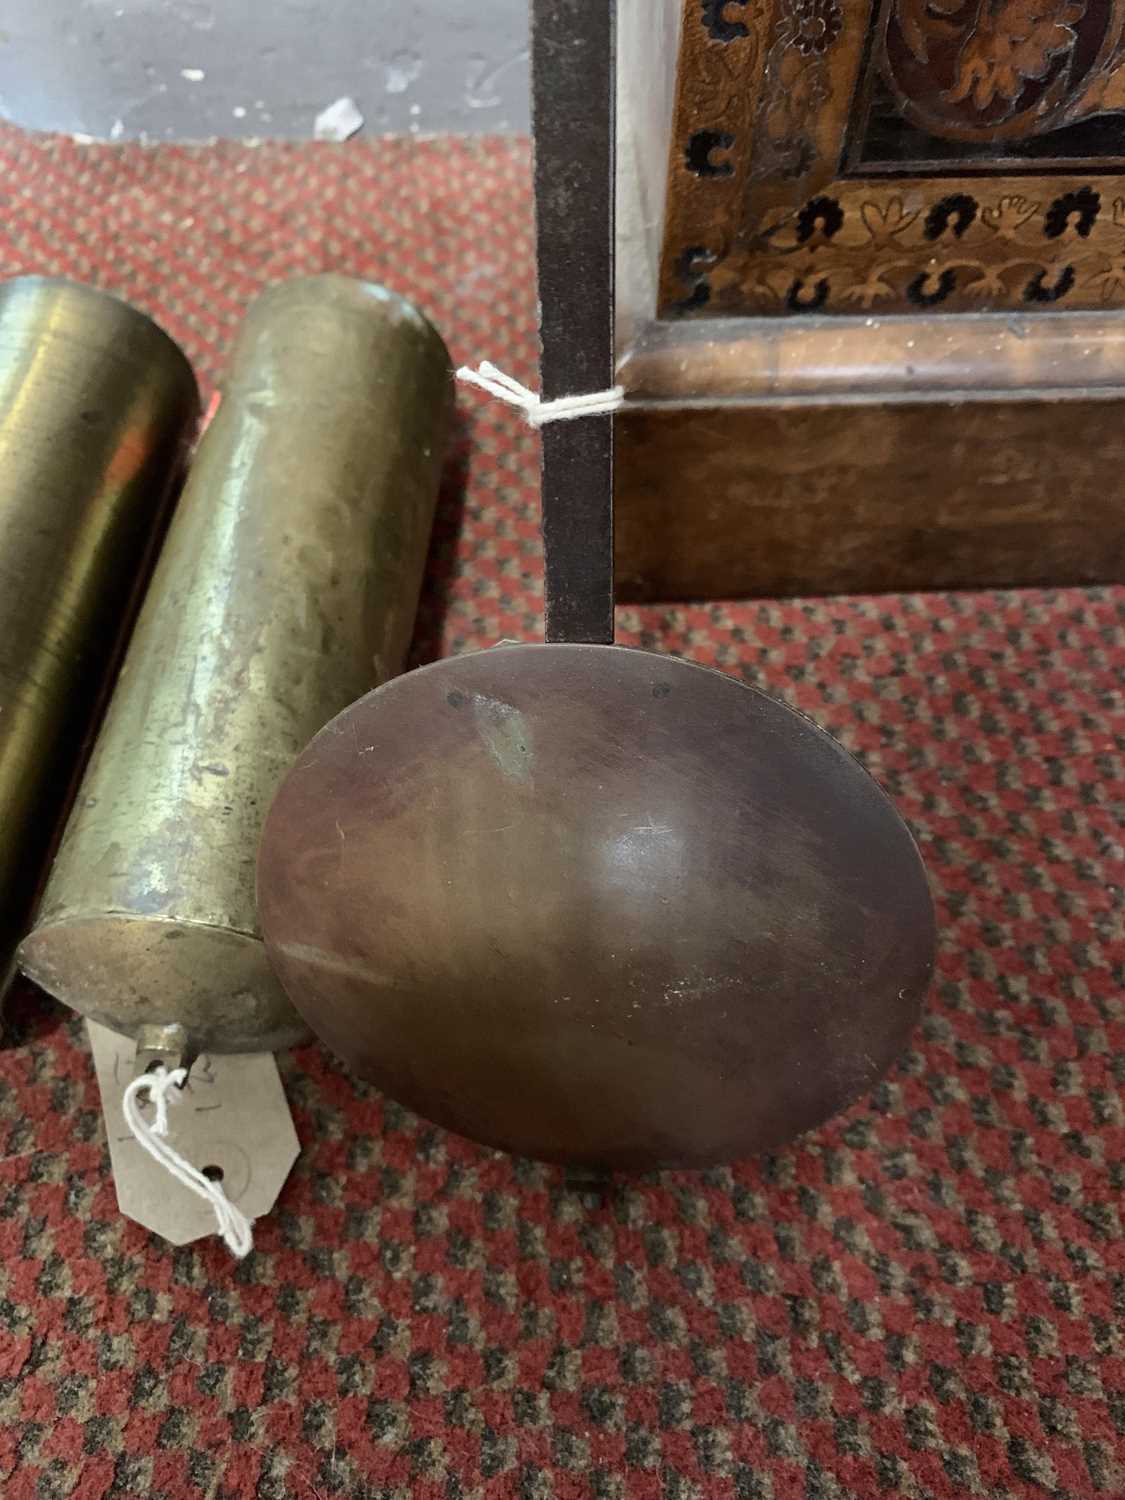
pixel 216 983
pixel 88 316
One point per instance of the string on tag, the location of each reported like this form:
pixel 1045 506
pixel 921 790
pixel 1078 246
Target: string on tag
pixel 537 411
pixel 234 1227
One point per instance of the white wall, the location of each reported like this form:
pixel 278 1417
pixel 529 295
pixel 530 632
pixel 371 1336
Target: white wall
pixel 131 68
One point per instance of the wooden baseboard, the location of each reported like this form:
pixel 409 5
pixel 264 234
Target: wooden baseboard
pixel 853 455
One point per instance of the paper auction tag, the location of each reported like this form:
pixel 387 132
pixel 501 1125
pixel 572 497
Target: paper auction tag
pixel 231 1120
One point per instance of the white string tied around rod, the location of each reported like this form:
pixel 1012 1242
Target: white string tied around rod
pixel 233 1225
pixel 537 411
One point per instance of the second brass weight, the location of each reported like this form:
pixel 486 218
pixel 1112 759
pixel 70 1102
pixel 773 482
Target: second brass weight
pixel 287 586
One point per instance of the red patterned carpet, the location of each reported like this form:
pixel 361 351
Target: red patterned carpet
pixel 925 1298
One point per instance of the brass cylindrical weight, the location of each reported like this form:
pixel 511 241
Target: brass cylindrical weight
pixel 287 586
pixel 97 408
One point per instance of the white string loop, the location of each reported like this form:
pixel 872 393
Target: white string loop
pixel 537 411
pixel 234 1227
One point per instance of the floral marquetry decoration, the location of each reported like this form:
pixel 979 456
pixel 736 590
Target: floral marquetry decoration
pixel 896 155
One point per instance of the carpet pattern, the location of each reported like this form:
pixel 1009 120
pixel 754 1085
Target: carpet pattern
pixel 925 1298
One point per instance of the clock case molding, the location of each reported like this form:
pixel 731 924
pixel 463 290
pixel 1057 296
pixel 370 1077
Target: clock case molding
pixel 780 442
